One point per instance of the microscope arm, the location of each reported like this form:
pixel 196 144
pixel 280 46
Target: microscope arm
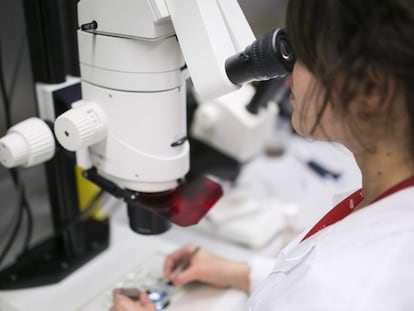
pixel 209 32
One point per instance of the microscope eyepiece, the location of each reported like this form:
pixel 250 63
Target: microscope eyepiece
pixel 266 58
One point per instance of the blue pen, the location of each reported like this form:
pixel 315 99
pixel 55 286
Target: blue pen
pixel 321 170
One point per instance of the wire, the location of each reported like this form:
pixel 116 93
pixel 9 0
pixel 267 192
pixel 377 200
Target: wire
pixel 27 209
pixel 16 70
pixel 13 173
pixel 15 229
pixel 4 92
pixel 9 225
pixel 21 208
pixel 29 220
pixel 23 205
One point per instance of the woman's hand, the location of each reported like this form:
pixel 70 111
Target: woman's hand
pixel 208 268
pixel 123 303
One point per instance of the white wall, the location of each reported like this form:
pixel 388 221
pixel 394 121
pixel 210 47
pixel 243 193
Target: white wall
pixel 264 15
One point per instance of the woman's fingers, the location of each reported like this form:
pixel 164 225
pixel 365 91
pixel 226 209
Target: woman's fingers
pixel 123 303
pixel 175 258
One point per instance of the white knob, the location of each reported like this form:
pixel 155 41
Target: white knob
pixel 81 127
pixel 27 143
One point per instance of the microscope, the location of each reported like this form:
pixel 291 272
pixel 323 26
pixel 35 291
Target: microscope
pixel 129 130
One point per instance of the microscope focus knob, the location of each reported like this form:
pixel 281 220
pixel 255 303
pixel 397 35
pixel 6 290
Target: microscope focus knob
pixel 27 143
pixel 80 127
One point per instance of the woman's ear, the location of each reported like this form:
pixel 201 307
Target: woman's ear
pixel 378 90
pixel 374 96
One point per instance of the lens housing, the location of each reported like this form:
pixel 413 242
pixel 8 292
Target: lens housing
pixel 266 58
pixel 144 222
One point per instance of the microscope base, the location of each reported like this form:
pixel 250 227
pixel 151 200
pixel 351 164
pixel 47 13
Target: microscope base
pixel 48 263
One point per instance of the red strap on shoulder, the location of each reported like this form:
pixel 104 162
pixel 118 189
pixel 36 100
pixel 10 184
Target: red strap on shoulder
pixel 340 211
pixel 346 206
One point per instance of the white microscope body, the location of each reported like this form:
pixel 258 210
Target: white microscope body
pixel 129 130
pixel 134 56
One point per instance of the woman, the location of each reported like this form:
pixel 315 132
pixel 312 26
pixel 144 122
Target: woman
pixel 353 83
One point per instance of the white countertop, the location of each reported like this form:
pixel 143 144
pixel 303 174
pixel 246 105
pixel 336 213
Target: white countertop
pixel 285 177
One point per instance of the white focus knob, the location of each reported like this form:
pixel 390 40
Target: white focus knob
pixel 81 127
pixel 27 143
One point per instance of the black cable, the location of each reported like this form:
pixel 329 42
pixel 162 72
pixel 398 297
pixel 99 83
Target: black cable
pixel 15 74
pixel 13 173
pixel 16 228
pixel 4 92
pixel 23 202
pixel 27 208
pixel 29 230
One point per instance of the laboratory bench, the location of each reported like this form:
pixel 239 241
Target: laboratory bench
pixel 300 183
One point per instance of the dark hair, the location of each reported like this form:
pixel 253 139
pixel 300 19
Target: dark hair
pixel 342 39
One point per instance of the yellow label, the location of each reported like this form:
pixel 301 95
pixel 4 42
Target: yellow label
pixel 86 192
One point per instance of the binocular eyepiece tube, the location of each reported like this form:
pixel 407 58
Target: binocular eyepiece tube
pixel 266 58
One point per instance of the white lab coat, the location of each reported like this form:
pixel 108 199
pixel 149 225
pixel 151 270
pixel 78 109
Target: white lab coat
pixel 364 262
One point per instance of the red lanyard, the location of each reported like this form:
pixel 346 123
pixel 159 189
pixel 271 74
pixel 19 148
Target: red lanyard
pixel 346 206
